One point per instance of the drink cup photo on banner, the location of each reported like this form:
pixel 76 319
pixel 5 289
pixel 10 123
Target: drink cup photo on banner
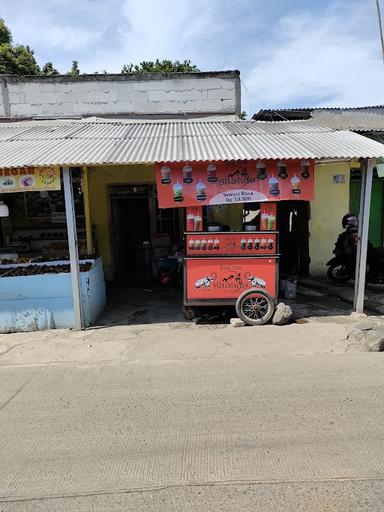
pixel 188 184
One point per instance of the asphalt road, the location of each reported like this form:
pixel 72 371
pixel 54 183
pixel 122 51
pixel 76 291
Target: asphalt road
pixel 270 433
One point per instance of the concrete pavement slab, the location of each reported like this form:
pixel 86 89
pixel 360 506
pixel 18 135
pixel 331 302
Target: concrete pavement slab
pixel 72 431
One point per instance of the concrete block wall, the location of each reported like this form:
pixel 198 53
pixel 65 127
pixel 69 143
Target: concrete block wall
pixel 174 94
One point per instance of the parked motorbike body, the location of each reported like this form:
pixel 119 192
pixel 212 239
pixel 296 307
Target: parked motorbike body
pixel 342 267
pixel 340 270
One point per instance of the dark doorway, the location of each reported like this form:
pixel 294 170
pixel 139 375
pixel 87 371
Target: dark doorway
pixel 294 237
pixel 131 229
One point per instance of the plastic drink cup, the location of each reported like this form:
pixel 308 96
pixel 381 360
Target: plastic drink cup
pixel 203 244
pixel 282 169
pixel 263 243
pixel 210 244
pixel 190 221
pixel 216 243
pixel 296 185
pixel 271 222
pixel 211 170
pixel 196 222
pixel 197 244
pixel 274 186
pixel 191 244
pixel 250 243
pixel 264 221
pixel 200 191
pixel 187 174
pixel 304 166
pixel 257 244
pixel 243 243
pixel 270 244
pixel 165 175
pixel 178 192
pixel 260 170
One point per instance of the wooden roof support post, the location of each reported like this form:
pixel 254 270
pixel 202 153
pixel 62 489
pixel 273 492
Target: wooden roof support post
pixel 362 246
pixel 73 248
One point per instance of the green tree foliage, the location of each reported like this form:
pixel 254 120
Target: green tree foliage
pixel 5 33
pixel 160 66
pixel 49 70
pixel 75 71
pixel 15 59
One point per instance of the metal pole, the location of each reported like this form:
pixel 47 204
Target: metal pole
pixel 363 170
pixel 362 247
pixel 380 27
pixel 73 251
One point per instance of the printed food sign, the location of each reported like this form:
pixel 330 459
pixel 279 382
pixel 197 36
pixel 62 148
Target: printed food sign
pixel 29 179
pixel 227 278
pixel 202 183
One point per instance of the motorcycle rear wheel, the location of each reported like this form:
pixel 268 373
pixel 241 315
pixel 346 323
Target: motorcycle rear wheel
pixel 339 273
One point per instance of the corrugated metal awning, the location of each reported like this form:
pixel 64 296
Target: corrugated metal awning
pixel 105 142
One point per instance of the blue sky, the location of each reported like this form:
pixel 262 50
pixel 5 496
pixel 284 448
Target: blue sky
pixel 289 52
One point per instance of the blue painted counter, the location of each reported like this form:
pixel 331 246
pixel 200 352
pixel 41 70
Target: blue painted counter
pixel 32 303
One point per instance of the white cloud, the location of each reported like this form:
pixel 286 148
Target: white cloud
pixel 329 60
pixel 162 29
pixel 61 30
pixel 70 37
pixel 313 57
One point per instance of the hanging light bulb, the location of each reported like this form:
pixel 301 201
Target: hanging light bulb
pixel 4 210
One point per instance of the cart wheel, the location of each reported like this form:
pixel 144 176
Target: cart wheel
pixel 189 313
pixel 255 307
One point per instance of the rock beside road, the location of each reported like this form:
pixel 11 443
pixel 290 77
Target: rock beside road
pixel 367 336
pixel 237 322
pixel 283 314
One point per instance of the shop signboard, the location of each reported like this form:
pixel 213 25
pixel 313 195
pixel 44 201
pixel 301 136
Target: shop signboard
pixel 201 183
pixel 226 278
pixel 29 179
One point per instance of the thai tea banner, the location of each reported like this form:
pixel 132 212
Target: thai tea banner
pixel 29 179
pixel 202 183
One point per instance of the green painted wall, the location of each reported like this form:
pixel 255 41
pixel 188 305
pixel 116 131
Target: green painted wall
pixel 377 208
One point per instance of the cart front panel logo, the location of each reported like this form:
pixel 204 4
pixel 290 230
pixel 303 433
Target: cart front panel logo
pixel 227 278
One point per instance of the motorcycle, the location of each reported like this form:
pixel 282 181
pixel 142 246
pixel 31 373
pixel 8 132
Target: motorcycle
pixel 342 266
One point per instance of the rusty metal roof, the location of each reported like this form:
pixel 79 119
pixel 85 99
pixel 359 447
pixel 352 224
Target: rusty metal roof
pixel 104 142
pixel 357 119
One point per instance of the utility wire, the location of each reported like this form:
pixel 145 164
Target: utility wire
pixel 380 27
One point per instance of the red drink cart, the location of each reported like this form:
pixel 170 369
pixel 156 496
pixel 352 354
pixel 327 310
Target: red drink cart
pixel 233 269
pixel 239 268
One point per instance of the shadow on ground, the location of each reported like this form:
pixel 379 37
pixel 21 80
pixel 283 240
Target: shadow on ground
pixel 150 305
pixel 131 306
pixel 374 293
